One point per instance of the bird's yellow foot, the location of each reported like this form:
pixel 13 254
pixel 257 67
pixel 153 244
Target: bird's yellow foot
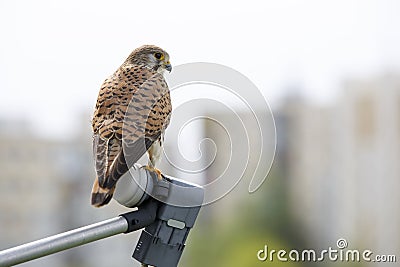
pixel 157 171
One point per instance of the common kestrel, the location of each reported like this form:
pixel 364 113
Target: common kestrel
pixel 132 112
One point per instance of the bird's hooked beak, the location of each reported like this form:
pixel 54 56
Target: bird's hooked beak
pixel 168 66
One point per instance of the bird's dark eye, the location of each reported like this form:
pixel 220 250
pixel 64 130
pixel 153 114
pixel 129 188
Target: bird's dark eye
pixel 159 56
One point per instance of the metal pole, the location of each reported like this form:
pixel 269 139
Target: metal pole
pixel 63 241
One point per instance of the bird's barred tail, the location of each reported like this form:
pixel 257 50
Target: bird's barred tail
pixel 101 196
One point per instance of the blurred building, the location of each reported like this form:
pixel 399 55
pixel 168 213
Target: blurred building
pixel 343 165
pixel 237 146
pixel 31 184
pixel 45 189
pixel 339 162
pixel 305 135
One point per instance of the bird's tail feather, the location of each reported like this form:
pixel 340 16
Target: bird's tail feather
pixel 101 196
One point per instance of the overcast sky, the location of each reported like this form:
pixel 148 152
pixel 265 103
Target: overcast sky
pixel 54 55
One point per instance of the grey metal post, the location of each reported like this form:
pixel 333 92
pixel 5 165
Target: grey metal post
pixel 63 241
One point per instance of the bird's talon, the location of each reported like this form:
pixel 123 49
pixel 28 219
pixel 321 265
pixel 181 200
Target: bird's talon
pixel 159 175
pixel 157 171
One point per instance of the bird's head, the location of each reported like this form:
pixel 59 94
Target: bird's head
pixel 150 56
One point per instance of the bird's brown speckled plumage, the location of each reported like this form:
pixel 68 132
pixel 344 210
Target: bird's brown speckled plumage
pixel 132 111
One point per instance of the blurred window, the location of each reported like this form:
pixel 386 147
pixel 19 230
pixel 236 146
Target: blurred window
pixel 365 118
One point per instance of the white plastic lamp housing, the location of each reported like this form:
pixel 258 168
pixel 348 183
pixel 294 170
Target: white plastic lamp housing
pixel 131 186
